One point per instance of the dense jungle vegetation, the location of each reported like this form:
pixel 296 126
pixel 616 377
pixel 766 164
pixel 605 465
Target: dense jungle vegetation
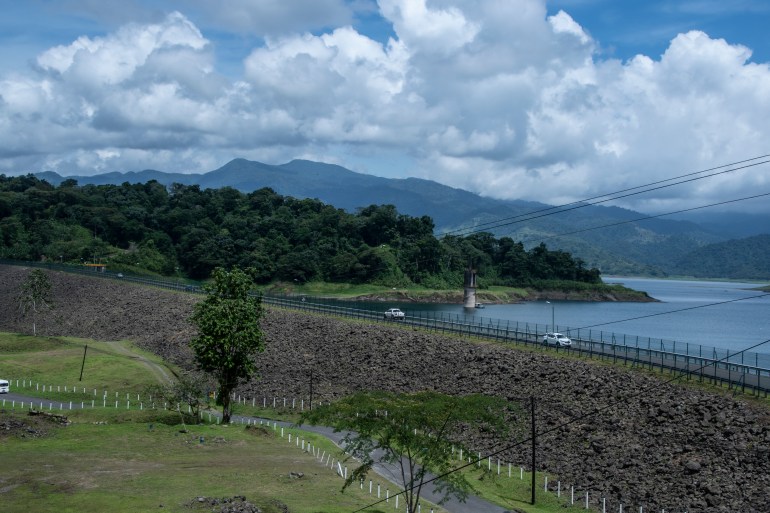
pixel 185 231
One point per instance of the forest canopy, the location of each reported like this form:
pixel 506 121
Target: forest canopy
pixel 185 231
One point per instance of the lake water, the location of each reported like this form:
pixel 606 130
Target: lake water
pixel 738 317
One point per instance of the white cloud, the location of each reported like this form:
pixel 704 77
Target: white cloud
pixel 429 30
pixel 492 96
pixel 563 23
pixel 105 61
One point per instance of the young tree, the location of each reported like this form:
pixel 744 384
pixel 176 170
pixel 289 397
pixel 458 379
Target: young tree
pixel 414 431
pixel 229 334
pixel 34 295
pixel 190 389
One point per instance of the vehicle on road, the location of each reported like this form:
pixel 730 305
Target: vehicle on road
pixel 557 339
pixel 3 386
pixel 394 314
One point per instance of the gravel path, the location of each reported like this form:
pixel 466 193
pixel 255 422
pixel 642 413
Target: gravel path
pixel 651 444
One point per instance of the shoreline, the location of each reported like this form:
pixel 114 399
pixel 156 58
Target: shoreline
pixel 513 296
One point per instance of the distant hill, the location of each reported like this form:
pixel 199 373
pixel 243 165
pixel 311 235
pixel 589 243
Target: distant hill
pixel 622 245
pixel 739 259
pixel 730 224
pixel 118 178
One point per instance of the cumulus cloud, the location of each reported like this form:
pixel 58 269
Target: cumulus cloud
pixel 429 30
pixel 493 96
pixel 114 59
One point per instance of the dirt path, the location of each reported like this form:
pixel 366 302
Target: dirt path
pixel 161 372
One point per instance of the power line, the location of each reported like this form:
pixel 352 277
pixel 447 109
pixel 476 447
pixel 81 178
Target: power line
pixel 640 189
pixel 587 203
pixel 618 192
pixel 645 218
pixel 384 266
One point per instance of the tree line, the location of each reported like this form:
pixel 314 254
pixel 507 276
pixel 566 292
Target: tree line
pixel 185 231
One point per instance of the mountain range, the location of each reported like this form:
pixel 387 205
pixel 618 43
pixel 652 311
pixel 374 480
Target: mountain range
pixel 616 240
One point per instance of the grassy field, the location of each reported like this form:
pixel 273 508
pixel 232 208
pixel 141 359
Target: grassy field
pixel 126 460
pixel 108 367
pixel 136 463
pixel 116 459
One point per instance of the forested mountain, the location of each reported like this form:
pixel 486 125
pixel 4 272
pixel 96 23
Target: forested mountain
pixel 183 229
pixel 625 244
pixel 614 240
pixel 739 259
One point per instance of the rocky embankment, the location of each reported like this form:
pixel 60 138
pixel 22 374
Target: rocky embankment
pixel 624 434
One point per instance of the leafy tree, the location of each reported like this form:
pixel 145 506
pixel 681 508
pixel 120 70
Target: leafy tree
pixel 414 431
pixel 34 295
pixel 229 334
pixel 285 238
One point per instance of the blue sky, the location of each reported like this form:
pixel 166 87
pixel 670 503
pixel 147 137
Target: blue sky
pixel 552 101
pixel 627 27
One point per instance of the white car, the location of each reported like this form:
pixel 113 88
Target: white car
pixel 395 314
pixel 557 339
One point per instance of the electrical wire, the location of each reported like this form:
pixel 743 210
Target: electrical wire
pixel 545 212
pixel 640 189
pixel 645 218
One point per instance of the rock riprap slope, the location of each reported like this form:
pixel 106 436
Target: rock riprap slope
pixel 626 435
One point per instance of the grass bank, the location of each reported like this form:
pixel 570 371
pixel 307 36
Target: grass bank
pixel 557 290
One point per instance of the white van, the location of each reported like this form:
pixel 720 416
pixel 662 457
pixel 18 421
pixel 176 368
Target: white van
pixel 3 386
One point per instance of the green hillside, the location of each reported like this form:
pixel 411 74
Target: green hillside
pixel 736 259
pixel 185 231
pixel 612 239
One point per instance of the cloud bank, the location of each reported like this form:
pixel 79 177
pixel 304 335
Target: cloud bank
pixel 492 96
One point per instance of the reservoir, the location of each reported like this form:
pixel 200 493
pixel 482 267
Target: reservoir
pixel 723 315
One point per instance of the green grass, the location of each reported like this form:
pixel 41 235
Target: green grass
pixel 515 492
pixel 111 367
pixel 131 464
pixel 491 294
pixel 121 460
pixel 342 290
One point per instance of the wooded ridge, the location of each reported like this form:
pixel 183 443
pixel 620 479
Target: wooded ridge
pixel 183 230
pixel 629 244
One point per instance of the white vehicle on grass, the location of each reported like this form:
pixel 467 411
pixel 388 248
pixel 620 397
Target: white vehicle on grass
pixel 3 386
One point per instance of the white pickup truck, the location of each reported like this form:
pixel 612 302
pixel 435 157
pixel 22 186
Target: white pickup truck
pixel 394 314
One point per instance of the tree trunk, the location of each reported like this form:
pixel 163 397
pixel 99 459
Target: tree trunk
pixel 227 405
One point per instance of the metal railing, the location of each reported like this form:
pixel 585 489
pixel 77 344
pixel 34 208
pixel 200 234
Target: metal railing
pixel 740 370
pixel 744 370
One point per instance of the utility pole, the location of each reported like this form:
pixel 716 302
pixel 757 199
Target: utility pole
pixel 534 448
pixel 311 389
pixel 84 362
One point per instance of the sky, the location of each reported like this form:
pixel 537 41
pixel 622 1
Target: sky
pixel 544 100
